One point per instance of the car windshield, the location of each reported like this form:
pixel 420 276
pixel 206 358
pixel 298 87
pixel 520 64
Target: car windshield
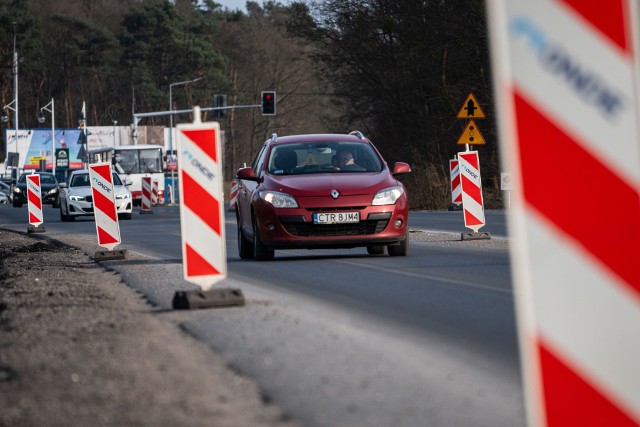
pixel 44 178
pixel 323 157
pixel 82 180
pixel 79 180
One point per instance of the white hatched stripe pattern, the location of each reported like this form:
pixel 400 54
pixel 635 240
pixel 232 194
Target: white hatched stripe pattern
pixel 567 89
pixel 456 188
pixel 104 205
pixel 471 184
pixel 202 204
pixel 146 193
pixel 34 200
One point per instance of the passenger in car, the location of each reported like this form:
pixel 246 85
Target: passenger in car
pixel 286 160
pixel 347 161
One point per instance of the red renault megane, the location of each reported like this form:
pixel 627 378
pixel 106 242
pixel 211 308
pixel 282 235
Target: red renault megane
pixel 321 191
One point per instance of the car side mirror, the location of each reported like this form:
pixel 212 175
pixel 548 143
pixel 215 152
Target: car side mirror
pixel 401 168
pixel 128 182
pixel 247 174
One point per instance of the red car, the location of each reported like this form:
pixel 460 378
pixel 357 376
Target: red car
pixel 321 191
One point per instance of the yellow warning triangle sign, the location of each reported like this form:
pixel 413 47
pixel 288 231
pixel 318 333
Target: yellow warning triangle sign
pixel 471 109
pixel 471 135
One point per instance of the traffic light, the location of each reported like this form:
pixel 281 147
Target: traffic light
pixel 218 102
pixel 268 103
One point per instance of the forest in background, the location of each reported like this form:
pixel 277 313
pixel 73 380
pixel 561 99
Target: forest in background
pixel 398 71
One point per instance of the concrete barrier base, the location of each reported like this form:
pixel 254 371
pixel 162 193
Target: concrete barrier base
pixel 222 297
pixel 475 236
pixel 33 229
pixel 110 255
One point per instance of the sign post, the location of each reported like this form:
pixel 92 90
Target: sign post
pixel 204 256
pixel 469 170
pixel 566 81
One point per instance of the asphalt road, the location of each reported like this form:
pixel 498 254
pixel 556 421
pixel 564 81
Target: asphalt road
pixel 341 338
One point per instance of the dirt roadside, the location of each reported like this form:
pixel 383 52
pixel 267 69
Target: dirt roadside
pixel 78 347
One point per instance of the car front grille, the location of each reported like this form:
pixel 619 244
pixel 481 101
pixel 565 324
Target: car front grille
pixel 309 229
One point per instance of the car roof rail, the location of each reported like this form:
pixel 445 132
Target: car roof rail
pixel 357 133
pixel 274 137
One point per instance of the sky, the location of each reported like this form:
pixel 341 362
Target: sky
pixel 234 4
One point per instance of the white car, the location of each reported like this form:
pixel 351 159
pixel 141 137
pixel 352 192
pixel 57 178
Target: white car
pixel 5 191
pixel 76 199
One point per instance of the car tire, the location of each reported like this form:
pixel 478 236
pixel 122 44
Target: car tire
pixel 375 249
pixel 400 250
pixel 260 251
pixel 245 248
pixel 17 205
pixel 125 216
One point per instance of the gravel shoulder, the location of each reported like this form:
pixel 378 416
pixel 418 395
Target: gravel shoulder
pixel 79 347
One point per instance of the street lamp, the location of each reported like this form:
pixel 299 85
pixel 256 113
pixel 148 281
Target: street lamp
pixel 41 119
pixel 186 82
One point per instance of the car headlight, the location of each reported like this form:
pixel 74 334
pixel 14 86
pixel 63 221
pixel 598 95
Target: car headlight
pixel 16 190
pixel 123 196
pixel 53 191
pixel 388 196
pixel 76 198
pixel 278 200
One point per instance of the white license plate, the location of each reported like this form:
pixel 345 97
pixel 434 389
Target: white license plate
pixel 336 217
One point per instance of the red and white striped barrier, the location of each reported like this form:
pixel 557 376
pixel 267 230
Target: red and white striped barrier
pixel 104 205
pixel 567 93
pixel 146 195
pixel 456 188
pixel 201 202
pixel 34 200
pixel 154 193
pixel 233 198
pixel 471 184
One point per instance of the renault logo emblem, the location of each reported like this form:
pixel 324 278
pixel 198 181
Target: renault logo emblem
pixel 335 194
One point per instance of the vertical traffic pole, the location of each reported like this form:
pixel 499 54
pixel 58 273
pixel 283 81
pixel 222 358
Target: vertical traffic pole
pixel 472 199
pixel 154 193
pixel 202 218
pixel 566 89
pixel 105 211
pixel 34 203
pixel 145 202
pixel 456 188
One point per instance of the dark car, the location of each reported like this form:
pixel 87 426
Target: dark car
pixel 321 191
pixel 48 187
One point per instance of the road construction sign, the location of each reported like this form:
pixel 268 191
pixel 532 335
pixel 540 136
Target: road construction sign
pixel 471 109
pixel 471 135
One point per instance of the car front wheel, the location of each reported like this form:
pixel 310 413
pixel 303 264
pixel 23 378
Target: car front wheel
pixel 375 249
pixel 400 250
pixel 260 251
